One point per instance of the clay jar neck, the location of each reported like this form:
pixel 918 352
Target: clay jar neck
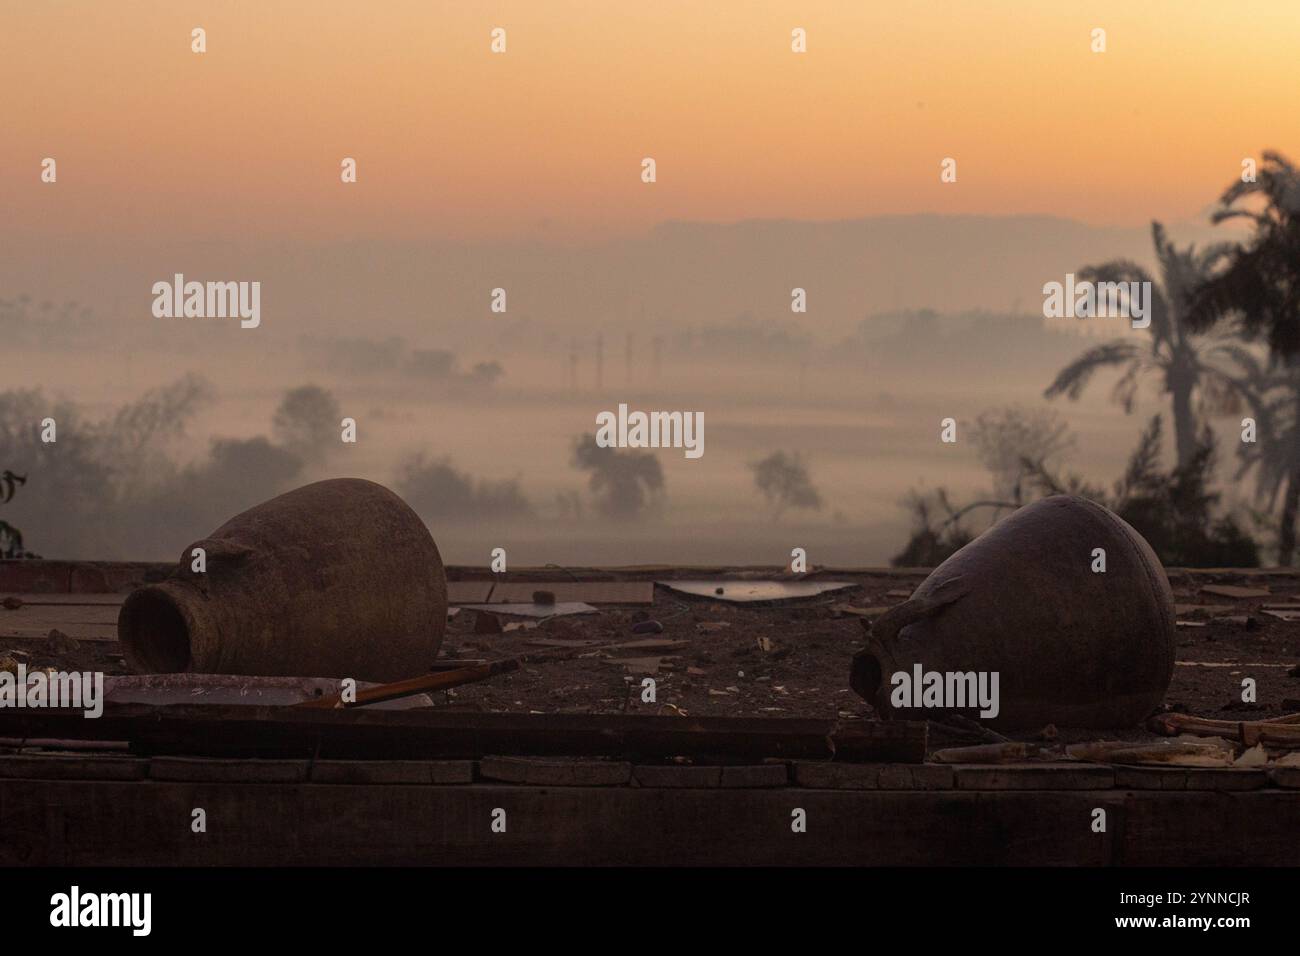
pixel 168 628
pixel 870 674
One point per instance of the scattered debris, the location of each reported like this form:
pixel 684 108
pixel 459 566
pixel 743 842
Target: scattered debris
pixel 559 609
pixel 744 592
pixel 1234 591
pixel 415 685
pixel 649 644
pixel 1255 756
pixel 1009 752
pixel 59 643
pixel 638 665
pixel 1209 610
pixel 1278 731
pixel 864 612
pixel 1283 614
pixel 712 627
pixel 562 592
pixel 1181 752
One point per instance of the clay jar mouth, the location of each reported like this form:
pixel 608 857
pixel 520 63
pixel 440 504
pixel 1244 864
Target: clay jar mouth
pixel 866 675
pixel 155 632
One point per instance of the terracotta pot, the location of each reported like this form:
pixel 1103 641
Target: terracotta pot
pixel 336 579
pixel 1071 646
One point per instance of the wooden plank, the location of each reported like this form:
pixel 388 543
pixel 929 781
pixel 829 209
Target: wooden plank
pixel 556 773
pixel 677 777
pixel 393 771
pixel 871 776
pixel 108 823
pixel 1045 776
pixel 73 600
pixel 72 767
pixel 206 770
pixel 586 592
pixel 262 731
pixel 761 775
pixel 31 631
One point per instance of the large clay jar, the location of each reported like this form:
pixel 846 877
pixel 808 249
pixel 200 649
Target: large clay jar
pixel 336 579
pixel 1072 646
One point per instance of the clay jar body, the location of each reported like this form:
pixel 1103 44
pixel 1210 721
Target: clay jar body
pixel 1072 646
pixel 338 578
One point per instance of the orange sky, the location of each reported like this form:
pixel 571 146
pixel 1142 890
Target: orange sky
pixel 546 140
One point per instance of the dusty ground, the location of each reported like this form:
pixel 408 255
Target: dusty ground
pixel 719 659
pixel 711 659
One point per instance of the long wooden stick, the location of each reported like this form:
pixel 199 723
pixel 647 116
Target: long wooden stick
pixel 1249 732
pixel 442 680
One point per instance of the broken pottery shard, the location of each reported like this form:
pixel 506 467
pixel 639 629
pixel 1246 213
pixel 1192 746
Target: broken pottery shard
pixel 338 578
pixel 1070 647
pixel 535 610
pixel 743 592
pixel 1233 591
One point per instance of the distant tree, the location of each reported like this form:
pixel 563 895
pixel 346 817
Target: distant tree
pixel 625 483
pixel 485 373
pixel 307 422
pixel 11 539
pixel 1260 288
pixel 1185 362
pixel 1174 510
pixel 436 489
pixel 937 533
pixel 1006 437
pixel 784 481
pixel 134 440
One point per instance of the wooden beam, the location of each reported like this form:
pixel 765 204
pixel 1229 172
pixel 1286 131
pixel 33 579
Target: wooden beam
pixel 265 731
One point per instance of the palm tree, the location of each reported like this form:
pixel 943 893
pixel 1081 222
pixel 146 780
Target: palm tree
pixel 1260 287
pixel 1187 363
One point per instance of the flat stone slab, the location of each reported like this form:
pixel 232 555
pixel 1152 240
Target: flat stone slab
pixel 1226 778
pixel 209 770
pixel 873 776
pixel 1040 776
pixel 1151 778
pixel 678 778
pixel 1191 778
pixel 72 767
pixel 393 771
pixel 758 775
pixel 706 778
pixel 556 773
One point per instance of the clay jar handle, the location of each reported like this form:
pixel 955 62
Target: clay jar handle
pixel 870 664
pixel 914 609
